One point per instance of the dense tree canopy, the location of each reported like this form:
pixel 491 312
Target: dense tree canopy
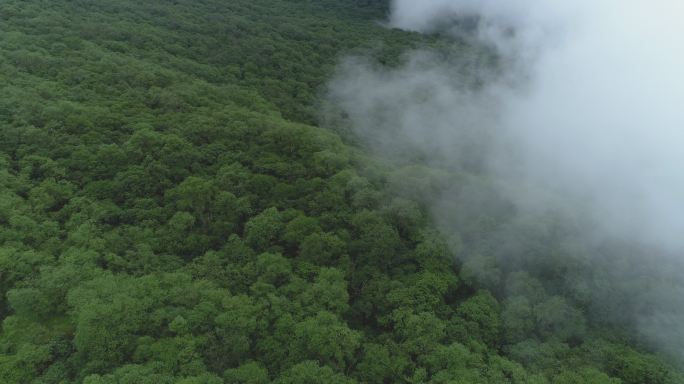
pixel 171 213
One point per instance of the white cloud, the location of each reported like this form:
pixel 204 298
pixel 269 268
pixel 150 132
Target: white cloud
pixel 590 105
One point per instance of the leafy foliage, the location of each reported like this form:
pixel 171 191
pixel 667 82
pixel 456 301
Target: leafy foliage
pixel 169 213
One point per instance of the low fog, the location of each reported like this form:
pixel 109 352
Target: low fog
pixel 578 100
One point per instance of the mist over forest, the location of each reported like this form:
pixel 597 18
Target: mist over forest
pixel 341 191
pixel 570 111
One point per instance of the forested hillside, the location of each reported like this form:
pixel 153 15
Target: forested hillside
pixel 172 212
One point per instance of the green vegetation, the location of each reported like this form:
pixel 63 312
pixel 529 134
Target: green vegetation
pixel 170 213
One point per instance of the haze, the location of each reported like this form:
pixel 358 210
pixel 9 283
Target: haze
pixel 584 103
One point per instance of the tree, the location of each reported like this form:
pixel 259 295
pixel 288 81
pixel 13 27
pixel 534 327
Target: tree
pixel 309 372
pixel 482 315
pixel 263 230
pixel 326 339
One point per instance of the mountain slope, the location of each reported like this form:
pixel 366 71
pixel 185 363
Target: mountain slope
pixel 171 213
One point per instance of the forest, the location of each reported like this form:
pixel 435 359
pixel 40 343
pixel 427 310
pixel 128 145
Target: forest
pixel 174 209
